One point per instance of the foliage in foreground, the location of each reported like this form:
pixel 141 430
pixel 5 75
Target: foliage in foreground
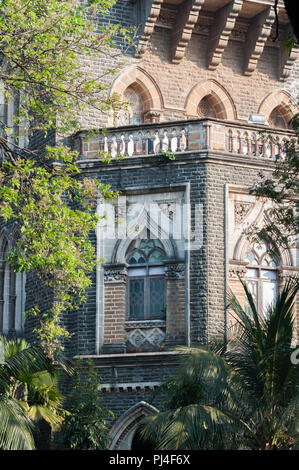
pixel 43 195
pixel 28 395
pixel 87 425
pixel 245 396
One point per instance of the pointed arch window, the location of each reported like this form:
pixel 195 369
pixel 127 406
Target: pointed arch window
pixel 146 291
pixel 262 276
pixel 11 295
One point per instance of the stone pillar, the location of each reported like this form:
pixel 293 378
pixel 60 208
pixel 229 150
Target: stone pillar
pixel 115 277
pixel 175 304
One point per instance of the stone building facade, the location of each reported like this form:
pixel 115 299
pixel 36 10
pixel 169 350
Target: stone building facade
pixel 205 79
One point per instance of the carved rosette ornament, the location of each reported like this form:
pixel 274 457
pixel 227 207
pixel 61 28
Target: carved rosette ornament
pixel 115 273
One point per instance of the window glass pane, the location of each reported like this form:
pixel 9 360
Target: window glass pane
pixel 156 257
pixel 136 304
pixel 260 248
pixel 146 245
pixel 253 289
pixel 157 298
pixel 155 270
pixel 269 294
pixel 265 274
pixel 253 273
pixel 136 258
pixel 133 272
pixel 269 261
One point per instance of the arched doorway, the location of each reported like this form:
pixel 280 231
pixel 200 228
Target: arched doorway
pixel 124 432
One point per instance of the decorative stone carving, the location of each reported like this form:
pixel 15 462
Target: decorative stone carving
pixel 175 271
pixel 237 271
pixel 133 325
pixel 152 116
pixel 138 337
pixel 287 57
pixel 115 273
pixel 258 33
pixel 221 29
pixel 148 15
pixel 241 210
pixel 181 34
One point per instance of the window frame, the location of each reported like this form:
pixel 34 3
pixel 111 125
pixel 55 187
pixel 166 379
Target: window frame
pixel 260 281
pixel 146 299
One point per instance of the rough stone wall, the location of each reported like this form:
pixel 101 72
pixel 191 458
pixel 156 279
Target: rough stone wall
pixel 175 81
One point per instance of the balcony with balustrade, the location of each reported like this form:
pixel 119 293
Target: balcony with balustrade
pixel 199 137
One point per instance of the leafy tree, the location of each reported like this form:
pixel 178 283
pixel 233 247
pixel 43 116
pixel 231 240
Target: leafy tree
pixel 282 188
pixel 42 43
pixel 28 395
pixel 245 396
pixel 87 425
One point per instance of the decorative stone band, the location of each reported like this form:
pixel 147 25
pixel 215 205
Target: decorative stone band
pixel 175 270
pixel 237 270
pixel 126 387
pixel 285 274
pixel 115 273
pixel 133 325
pixel 153 336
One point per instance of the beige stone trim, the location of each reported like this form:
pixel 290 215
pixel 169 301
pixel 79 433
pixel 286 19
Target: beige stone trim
pixel 277 98
pixel 143 84
pixel 224 104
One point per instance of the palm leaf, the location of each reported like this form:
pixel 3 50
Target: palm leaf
pixel 16 429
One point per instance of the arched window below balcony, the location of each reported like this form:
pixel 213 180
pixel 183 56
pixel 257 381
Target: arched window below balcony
pixel 146 289
pixel 262 276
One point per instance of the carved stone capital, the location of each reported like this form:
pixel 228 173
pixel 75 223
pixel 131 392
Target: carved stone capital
pixel 115 273
pixel 152 116
pixel 175 271
pixel 236 271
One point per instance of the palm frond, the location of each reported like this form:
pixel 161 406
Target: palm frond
pixel 16 430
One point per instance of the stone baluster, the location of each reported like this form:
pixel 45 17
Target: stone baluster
pixel 131 146
pixel 156 143
pixel 122 145
pixel 183 141
pixel 174 141
pixel 113 147
pixel 105 148
pixel 139 144
pixel 165 141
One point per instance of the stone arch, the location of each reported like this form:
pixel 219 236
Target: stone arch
pixel 123 430
pixel 280 101
pixel 244 244
pixel 146 88
pixel 218 98
pixel 138 230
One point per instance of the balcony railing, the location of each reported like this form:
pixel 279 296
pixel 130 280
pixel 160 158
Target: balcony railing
pixel 200 135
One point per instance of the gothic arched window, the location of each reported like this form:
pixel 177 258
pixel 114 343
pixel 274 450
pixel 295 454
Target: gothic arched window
pixel 11 295
pixel 261 275
pixel 146 293
pixel 279 118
